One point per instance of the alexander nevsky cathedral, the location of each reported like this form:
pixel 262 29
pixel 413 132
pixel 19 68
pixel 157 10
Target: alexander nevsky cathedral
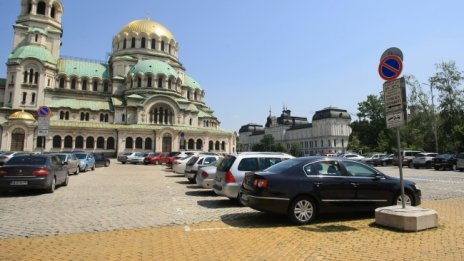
pixel 141 99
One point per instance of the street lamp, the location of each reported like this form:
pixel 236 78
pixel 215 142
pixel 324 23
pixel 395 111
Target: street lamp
pixel 434 127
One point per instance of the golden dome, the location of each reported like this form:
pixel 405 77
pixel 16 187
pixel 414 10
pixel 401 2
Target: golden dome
pixel 21 115
pixel 148 27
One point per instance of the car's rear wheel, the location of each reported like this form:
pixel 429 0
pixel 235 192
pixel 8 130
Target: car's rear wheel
pixel 411 165
pixel 192 180
pixel 302 210
pixel 66 181
pixel 437 168
pixel 384 163
pixel 107 163
pixel 93 167
pixel 77 171
pixel 157 162
pixel 453 167
pixel 52 186
pixel 408 199
pixel 123 162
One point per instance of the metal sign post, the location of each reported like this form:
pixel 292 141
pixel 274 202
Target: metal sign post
pixel 43 123
pixel 400 166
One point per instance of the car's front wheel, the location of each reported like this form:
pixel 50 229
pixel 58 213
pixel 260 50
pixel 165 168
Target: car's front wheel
pixel 66 181
pixel 411 165
pixel 408 199
pixel 302 210
pixel 52 186
pixel 77 171
pixel 107 163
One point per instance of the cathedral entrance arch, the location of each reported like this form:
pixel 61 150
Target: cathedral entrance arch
pixel 17 139
pixel 167 143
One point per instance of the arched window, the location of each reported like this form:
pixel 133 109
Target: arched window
pixel 199 144
pixel 190 121
pixel 124 44
pixel 188 94
pixel 84 85
pixel 89 143
pixel 211 145
pixel 129 143
pixel 162 45
pixel 87 116
pixel 191 144
pixel 79 142
pixel 41 6
pixel 36 77
pixel 100 143
pixel 36 38
pixel 61 115
pixel 68 141
pixel 102 117
pixel 73 83
pixel 62 82
pixel 110 143
pixel 33 98
pixel 105 86
pixel 106 117
pixel 24 98
pixel 160 82
pixel 25 77
pixel 66 115
pixel 148 144
pixel 52 12
pixel 123 117
pixel 139 81
pixel 29 8
pixel 95 85
pixel 149 79
pixel 169 84
pixel 138 143
pixel 223 146
pixel 31 75
pixel 133 42
pixel 169 48
pixel 153 44
pixel 82 116
pixel 142 44
pixel 217 145
pixel 56 142
pixel 195 96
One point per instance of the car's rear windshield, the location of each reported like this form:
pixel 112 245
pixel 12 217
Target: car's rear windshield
pixel 284 165
pixel 62 157
pixel 80 155
pixel 173 154
pixel 226 163
pixel 27 160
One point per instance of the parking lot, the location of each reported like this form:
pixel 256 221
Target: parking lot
pixel 136 196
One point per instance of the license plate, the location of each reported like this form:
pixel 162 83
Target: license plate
pixel 18 182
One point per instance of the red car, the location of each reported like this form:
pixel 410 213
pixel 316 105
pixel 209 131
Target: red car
pixel 169 159
pixel 155 158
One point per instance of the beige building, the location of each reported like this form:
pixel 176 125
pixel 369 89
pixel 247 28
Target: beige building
pixel 328 132
pixel 140 99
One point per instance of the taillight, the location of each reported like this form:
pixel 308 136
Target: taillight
pixel 229 177
pixel 260 183
pixel 3 172
pixel 40 172
pixel 204 174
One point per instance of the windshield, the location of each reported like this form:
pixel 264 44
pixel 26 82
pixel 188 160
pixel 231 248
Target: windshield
pixel 27 160
pixel 284 165
pixel 226 163
pixel 62 157
pixel 81 155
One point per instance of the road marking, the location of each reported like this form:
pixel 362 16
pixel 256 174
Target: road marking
pixel 435 180
pixel 188 229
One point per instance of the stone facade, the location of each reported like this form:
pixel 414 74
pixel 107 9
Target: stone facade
pixel 327 133
pixel 140 99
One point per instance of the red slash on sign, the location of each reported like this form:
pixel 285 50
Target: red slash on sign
pixel 390 67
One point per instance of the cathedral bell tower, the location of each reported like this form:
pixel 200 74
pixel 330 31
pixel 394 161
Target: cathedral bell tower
pixel 32 64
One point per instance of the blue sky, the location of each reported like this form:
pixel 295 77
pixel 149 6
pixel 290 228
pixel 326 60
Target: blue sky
pixel 251 56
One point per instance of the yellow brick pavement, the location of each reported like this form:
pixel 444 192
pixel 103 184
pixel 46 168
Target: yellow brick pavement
pixel 262 237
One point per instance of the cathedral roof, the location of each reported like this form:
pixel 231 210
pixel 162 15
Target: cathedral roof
pixel 81 68
pixel 21 115
pixel 33 51
pixel 148 27
pixel 331 113
pixel 190 82
pixel 154 67
pixel 81 104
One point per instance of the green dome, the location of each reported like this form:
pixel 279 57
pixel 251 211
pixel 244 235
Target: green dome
pixel 153 66
pixel 190 82
pixel 33 51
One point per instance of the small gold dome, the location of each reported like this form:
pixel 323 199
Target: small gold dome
pixel 21 115
pixel 148 27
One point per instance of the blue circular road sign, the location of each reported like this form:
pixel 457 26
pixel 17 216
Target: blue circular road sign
pixel 390 67
pixel 44 111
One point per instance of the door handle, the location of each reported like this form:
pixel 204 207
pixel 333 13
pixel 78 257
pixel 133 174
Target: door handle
pixel 354 184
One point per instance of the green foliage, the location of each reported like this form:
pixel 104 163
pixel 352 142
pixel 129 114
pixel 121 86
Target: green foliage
pixel 295 149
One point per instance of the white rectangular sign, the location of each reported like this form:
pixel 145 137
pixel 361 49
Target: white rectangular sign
pixel 44 124
pixel 393 95
pixel 43 132
pixel 395 119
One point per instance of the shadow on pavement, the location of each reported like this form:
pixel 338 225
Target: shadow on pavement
pixel 219 203
pixel 201 193
pixel 21 193
pixel 256 220
pixel 175 176
pixel 183 182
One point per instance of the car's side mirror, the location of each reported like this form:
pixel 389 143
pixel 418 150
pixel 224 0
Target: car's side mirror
pixel 64 163
pixel 378 176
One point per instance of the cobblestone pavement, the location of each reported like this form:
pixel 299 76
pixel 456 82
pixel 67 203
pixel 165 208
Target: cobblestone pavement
pixel 138 196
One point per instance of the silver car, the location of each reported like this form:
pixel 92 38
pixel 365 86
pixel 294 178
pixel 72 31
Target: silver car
pixel 71 161
pixel 195 163
pixel 205 175
pixel 424 159
pixel 231 172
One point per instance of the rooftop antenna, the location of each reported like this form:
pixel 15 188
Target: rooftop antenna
pixel 148 15
pixel 270 111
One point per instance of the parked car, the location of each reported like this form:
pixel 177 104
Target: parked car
pixel 87 161
pixel 169 159
pixel 206 175
pixel 423 159
pixel 304 187
pixel 71 161
pixel 384 160
pixel 5 156
pixel 197 162
pixel 406 157
pixel 231 171
pixel 34 171
pixel 353 156
pixel 137 157
pixel 123 157
pixel 460 161
pixel 178 166
pixel 101 160
pixel 155 157
pixel 445 161
pixel 369 159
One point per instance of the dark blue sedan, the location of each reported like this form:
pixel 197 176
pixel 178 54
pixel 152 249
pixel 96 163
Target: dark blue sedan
pixel 303 187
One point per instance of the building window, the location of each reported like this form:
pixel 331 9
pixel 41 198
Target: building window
pixel 84 85
pixel 100 143
pixel 162 45
pixel 160 82
pixel 153 44
pixel 148 144
pixel 138 143
pixel 48 82
pixel 169 48
pixel 322 143
pixel 190 121
pixel 133 42
pixel 24 98
pixel 66 115
pixel 68 140
pixel 62 82
pixel 36 78
pixel 41 8
pixel 33 98
pixel 188 94
pixel 25 77
pixel 129 142
pixel 61 115
pixel 124 44
pixel 123 117
pixel 31 75
pixel 82 116
pixel 195 95
pixel 106 117
pixel 87 116
pixel 335 143
pixel 142 44
pixel 110 143
pixel 79 142
pixel 95 85
pixel 89 142
pixel 10 97
pixel 57 142
pixel 139 82
pixel 73 84
pixel 105 86
pixel 36 38
pixel 102 117
pixel 149 81
pixel 52 12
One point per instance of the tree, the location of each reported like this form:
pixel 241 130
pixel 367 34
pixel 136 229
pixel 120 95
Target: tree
pixel 295 149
